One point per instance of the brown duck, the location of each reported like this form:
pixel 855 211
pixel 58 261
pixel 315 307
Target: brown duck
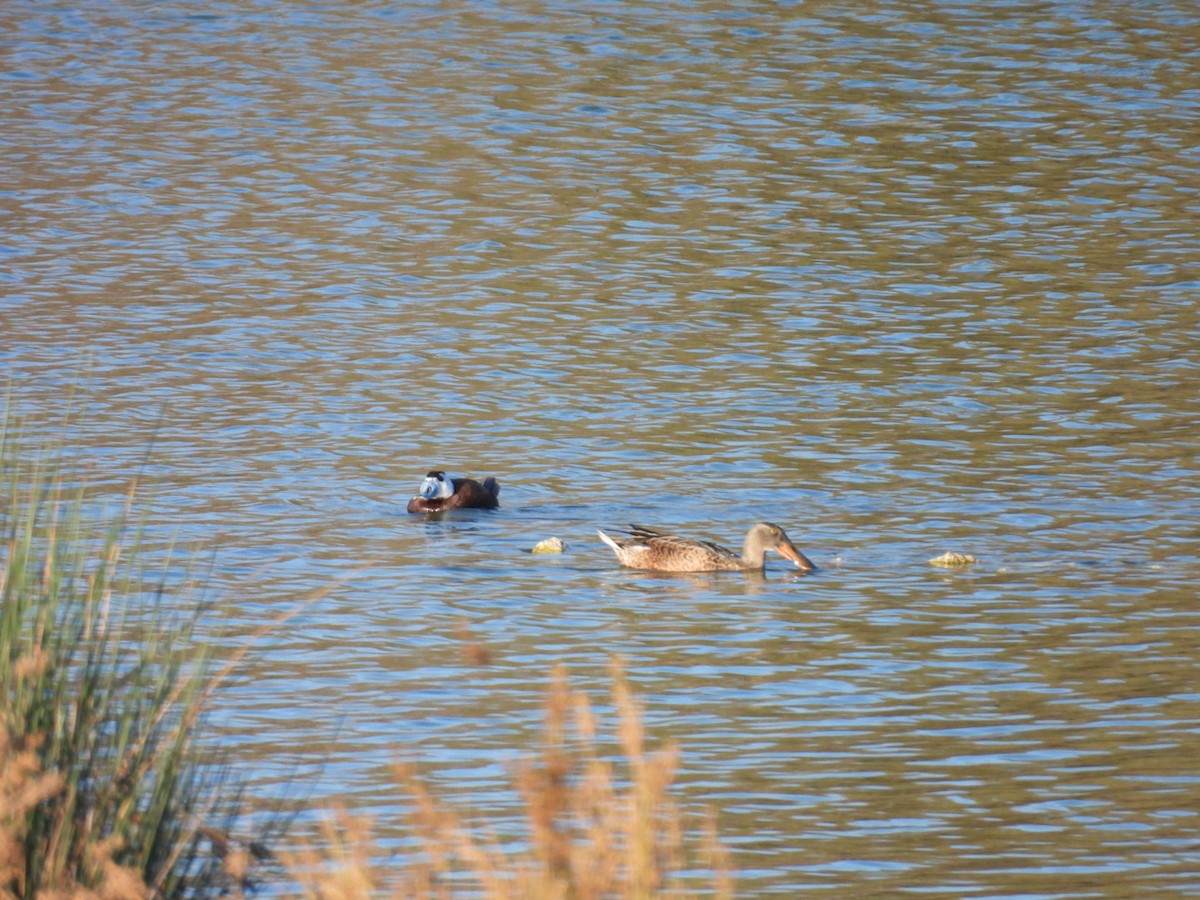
pixel 439 493
pixel 646 548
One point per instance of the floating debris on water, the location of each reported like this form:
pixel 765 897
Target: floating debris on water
pixel 951 559
pixel 549 545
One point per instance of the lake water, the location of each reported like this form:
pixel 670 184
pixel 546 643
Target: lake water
pixel 900 277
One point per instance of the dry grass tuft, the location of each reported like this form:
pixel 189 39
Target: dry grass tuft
pixel 593 832
pixel 23 787
pixel 474 651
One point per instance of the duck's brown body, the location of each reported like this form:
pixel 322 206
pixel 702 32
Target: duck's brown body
pixel 468 494
pixel 646 548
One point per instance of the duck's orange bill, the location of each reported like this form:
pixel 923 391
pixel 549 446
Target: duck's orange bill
pixel 788 550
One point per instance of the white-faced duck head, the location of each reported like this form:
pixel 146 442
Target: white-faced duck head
pixel 437 486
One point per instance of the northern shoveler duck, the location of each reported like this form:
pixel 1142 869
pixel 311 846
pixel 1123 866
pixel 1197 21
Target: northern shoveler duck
pixel 647 548
pixel 439 492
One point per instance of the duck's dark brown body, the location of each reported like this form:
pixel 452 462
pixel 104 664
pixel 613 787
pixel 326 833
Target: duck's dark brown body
pixel 468 494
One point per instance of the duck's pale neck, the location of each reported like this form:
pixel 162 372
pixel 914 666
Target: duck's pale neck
pixel 753 551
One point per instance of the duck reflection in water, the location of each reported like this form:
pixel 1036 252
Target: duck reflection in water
pixel 440 493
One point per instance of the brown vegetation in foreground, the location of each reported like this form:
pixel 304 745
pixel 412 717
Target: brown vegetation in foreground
pixel 593 832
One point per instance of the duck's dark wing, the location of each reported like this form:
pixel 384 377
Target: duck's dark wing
pixel 470 494
pixel 644 534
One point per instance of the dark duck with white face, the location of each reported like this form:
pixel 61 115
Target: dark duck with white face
pixel 440 493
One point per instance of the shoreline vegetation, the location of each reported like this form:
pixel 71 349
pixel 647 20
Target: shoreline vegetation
pixel 110 788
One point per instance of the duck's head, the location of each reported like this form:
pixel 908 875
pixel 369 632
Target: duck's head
pixel 437 486
pixel 772 537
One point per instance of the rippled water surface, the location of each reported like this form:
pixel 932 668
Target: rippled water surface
pixel 901 277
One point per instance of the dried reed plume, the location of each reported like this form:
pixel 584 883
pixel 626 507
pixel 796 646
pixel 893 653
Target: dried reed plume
pixel 592 832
